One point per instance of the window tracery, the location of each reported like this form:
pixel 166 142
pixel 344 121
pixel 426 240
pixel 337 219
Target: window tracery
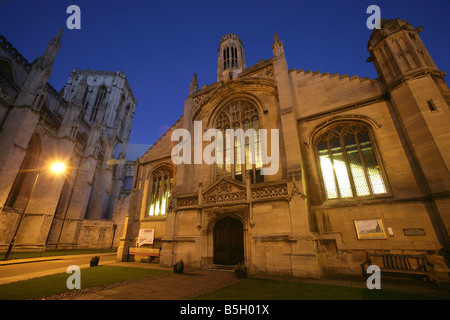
pixel 160 188
pixel 240 155
pixel 348 162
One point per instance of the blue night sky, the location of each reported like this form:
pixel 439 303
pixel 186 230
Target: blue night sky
pixel 161 44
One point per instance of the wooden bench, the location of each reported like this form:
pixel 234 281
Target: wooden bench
pixel 403 265
pixel 143 251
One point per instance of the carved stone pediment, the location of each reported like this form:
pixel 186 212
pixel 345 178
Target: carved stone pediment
pixel 223 191
pixel 266 72
pixel 232 192
pixel 197 99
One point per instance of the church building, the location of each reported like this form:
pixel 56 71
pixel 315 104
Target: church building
pixel 363 165
pixel 80 128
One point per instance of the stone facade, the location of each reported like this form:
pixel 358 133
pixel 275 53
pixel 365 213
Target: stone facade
pixel 353 152
pixel 80 126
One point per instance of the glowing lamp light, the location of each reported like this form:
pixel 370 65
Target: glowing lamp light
pixel 58 167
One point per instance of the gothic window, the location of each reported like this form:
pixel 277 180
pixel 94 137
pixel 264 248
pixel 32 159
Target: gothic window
pixel 87 213
pixel 74 129
pixel 348 162
pixel 25 178
pixel 234 59
pixel 98 101
pixel 239 155
pixel 230 58
pixel 65 191
pixel 386 62
pixel 101 235
pixel 160 188
pixel 226 58
pixel 391 60
pixel 87 233
pixel 107 202
pixel 84 103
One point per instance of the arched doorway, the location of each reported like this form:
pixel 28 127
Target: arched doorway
pixel 228 242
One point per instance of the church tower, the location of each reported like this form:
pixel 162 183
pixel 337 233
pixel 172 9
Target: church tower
pixel 231 61
pixel 420 101
pixel 398 52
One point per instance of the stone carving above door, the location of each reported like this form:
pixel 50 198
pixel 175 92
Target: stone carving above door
pixel 228 191
pixel 225 191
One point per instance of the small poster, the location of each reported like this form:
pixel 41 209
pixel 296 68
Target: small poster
pixel 146 236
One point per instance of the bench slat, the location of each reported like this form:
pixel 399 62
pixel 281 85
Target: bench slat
pixel 398 263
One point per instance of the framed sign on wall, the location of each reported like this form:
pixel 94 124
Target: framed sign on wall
pixel 146 236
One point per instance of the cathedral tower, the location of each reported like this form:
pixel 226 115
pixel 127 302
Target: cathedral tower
pixel 231 61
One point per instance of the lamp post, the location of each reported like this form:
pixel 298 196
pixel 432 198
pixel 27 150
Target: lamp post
pixel 56 168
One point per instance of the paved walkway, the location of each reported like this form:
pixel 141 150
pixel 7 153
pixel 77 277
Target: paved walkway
pixel 167 287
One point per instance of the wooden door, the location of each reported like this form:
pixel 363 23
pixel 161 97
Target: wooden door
pixel 228 242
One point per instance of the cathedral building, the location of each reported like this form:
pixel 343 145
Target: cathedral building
pixel 362 165
pixel 81 127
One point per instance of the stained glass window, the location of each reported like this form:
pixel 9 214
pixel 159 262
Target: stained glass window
pixel 348 162
pixel 240 115
pixel 160 187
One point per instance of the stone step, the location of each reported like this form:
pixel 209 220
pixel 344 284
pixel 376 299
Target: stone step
pixel 222 268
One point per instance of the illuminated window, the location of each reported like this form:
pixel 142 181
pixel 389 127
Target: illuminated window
pixel 161 185
pixel 246 153
pixel 348 163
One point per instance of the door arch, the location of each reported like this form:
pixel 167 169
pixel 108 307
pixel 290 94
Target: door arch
pixel 228 234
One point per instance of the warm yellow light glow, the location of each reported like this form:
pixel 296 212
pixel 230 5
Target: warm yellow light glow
pixel 58 167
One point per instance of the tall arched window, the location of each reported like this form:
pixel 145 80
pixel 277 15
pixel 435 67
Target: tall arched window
pixel 226 58
pixel 230 58
pixel 348 161
pixel 23 183
pixel 98 101
pixel 239 114
pixel 234 57
pixel 86 92
pixel 160 188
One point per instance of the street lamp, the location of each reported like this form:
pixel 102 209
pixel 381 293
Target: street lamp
pixel 57 167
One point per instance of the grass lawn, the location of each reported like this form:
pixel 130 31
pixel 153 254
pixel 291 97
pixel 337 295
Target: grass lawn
pixel 38 254
pixel 256 289
pixel 90 277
